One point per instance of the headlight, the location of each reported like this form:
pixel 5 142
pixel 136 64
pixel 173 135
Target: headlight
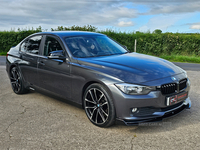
pixel 185 73
pixel 133 89
pixel 188 82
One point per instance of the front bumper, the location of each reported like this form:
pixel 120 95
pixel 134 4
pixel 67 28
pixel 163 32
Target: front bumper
pixel 152 107
pixel 157 115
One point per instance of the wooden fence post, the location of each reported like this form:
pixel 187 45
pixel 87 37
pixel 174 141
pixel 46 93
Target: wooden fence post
pixel 135 45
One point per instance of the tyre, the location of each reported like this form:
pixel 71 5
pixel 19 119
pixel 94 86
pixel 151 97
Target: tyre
pixel 17 81
pixel 99 106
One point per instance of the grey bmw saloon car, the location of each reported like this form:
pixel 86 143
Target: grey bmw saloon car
pixel 91 69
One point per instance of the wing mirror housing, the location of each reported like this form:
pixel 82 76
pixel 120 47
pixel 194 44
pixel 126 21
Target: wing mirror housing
pixel 125 47
pixel 57 55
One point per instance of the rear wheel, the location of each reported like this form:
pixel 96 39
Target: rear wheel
pixel 17 82
pixel 99 106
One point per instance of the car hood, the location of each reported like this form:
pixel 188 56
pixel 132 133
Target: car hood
pixel 132 67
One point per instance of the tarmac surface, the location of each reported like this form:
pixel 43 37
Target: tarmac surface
pixel 2 60
pixel 37 121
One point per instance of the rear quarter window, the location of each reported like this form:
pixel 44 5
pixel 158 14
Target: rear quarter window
pixel 31 45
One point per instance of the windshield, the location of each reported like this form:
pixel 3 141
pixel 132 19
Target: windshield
pixel 93 46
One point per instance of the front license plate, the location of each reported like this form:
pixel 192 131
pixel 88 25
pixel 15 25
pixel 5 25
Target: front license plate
pixel 176 98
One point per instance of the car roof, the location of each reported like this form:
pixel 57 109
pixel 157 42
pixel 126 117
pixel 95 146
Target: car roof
pixel 70 33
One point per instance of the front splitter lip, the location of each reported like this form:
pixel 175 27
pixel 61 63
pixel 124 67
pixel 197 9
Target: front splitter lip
pixel 156 116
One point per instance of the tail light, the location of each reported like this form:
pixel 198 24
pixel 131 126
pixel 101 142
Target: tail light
pixel 7 54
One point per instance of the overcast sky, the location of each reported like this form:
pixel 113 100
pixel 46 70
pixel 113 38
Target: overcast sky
pixel 130 15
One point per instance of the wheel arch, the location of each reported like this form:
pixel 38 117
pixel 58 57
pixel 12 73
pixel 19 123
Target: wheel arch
pixel 92 82
pixel 16 65
pixel 84 88
pixel 10 68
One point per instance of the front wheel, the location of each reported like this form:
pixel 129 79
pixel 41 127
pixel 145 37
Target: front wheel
pixel 99 106
pixel 17 82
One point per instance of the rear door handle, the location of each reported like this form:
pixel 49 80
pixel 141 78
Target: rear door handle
pixel 41 63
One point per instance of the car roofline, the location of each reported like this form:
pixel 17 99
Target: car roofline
pixel 69 33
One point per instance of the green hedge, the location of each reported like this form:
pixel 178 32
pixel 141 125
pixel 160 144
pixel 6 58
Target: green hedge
pixel 159 44
pixel 155 43
pixel 12 38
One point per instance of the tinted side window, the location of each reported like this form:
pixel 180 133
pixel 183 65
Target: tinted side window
pixel 51 44
pixel 34 44
pixel 24 46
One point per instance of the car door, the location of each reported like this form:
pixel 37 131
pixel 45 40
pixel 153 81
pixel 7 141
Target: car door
pixel 54 73
pixel 29 51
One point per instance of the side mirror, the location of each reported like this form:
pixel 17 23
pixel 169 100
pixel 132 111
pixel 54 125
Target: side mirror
pixel 57 55
pixel 125 47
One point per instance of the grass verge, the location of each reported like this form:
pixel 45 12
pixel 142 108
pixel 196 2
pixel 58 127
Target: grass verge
pixel 181 58
pixel 3 53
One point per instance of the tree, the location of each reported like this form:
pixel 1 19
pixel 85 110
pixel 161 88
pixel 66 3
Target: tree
pixel 157 31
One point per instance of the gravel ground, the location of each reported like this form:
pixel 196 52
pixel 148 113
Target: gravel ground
pixel 36 121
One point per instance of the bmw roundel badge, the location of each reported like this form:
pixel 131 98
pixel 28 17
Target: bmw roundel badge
pixel 174 79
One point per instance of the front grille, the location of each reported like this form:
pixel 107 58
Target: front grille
pixel 173 87
pixel 182 84
pixel 168 88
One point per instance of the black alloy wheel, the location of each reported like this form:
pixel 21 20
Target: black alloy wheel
pixel 99 106
pixel 16 81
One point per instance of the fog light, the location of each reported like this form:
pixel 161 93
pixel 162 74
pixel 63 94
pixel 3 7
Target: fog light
pixel 134 110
